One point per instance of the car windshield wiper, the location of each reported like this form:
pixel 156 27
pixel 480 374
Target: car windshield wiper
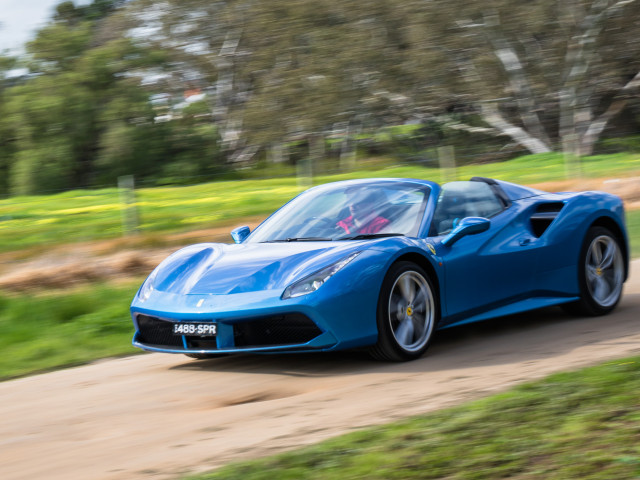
pixel 367 236
pixel 299 239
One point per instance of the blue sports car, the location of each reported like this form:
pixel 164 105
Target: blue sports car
pixel 383 264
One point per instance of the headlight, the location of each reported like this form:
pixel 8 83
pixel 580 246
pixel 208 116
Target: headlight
pixel 314 282
pixel 147 287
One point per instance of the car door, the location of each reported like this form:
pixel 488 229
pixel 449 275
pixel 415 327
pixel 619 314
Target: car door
pixel 486 270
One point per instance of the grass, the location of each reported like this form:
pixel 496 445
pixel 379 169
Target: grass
pixel 633 229
pixel 46 331
pixel 43 221
pixel 83 216
pixel 583 424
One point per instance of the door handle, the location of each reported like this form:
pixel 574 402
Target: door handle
pixel 525 241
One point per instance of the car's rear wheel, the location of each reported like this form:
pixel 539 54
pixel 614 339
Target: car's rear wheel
pixel 601 273
pixel 407 313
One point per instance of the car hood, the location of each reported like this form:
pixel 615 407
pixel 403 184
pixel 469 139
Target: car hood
pixel 214 268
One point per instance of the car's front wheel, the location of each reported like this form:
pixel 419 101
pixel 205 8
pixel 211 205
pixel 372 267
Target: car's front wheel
pixel 601 273
pixel 407 313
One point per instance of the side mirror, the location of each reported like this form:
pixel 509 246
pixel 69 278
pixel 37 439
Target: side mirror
pixel 467 226
pixel 240 233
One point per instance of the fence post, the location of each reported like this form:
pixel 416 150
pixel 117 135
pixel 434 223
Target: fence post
pixel 304 172
pixel 348 151
pixel 572 161
pixel 305 167
pixel 128 204
pixel 447 161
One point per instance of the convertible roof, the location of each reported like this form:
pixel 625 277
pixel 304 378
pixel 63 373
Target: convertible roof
pixel 510 190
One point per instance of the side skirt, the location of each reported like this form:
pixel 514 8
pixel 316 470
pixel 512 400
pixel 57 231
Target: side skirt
pixel 512 308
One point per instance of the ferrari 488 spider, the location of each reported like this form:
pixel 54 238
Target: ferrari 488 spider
pixel 382 264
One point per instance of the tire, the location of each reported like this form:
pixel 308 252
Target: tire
pixel 408 311
pixel 601 271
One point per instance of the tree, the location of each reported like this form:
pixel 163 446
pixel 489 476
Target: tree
pixel 288 69
pixel 7 64
pixel 548 75
pixel 551 75
pixel 84 118
pixel 54 116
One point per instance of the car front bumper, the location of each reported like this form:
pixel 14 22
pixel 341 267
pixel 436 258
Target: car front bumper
pixel 258 322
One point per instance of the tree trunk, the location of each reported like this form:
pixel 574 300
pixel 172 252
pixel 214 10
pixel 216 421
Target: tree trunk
pixel 492 116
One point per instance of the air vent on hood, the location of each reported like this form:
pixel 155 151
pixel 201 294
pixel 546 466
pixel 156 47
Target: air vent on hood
pixel 543 216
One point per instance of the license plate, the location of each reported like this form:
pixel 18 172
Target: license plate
pixel 195 329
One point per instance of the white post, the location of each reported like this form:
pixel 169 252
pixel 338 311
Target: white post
pixel 128 204
pixel 447 161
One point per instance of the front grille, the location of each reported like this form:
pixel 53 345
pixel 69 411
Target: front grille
pixel 288 329
pixel 199 343
pixel 273 330
pixel 153 331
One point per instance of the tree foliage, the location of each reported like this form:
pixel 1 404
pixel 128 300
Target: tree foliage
pixel 550 74
pixel 82 117
pixel 547 75
pixel 164 89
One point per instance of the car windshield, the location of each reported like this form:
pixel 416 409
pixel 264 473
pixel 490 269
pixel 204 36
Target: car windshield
pixel 347 211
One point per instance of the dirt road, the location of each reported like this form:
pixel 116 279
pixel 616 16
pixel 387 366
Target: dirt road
pixel 160 416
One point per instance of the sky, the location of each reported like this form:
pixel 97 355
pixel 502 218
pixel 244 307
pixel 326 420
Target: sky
pixel 19 20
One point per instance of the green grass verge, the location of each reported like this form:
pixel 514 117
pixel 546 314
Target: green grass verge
pixel 583 424
pixel 42 332
pixel 87 215
pixel 633 229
